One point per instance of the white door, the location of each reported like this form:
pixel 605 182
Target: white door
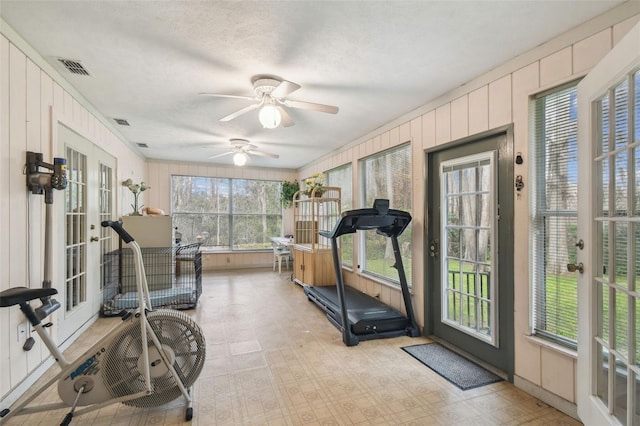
pixel 609 225
pixel 88 201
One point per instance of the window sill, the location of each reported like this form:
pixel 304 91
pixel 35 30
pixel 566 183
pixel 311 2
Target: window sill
pixel 382 281
pixel 552 346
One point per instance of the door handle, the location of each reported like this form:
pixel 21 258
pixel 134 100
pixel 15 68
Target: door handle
pixel 572 267
pixel 95 239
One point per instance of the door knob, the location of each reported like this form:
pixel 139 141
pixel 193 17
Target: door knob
pixel 95 239
pixel 572 267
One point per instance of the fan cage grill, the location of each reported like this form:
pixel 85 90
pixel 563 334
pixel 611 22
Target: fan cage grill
pixel 174 329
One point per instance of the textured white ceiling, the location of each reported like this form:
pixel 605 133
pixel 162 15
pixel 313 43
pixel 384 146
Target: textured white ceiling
pixel 375 60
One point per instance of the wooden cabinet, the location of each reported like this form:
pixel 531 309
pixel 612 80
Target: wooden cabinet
pixel 312 256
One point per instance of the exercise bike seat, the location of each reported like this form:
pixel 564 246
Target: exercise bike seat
pixel 18 295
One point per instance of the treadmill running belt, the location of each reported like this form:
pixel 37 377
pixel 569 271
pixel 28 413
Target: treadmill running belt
pixel 366 314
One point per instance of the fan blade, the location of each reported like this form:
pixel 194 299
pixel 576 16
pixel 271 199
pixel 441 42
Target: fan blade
pixel 222 155
pixel 285 88
pixel 240 112
pixel 262 153
pixel 217 95
pixel 330 109
pixel 285 118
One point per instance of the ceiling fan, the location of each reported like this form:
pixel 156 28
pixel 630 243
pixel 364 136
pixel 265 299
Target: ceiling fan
pixel 241 149
pixel 270 96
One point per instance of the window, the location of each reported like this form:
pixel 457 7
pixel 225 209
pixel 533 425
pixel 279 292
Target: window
pixel 555 313
pixel 342 178
pixel 226 214
pixel 386 175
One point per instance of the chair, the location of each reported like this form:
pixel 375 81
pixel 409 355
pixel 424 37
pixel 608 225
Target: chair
pixel 280 252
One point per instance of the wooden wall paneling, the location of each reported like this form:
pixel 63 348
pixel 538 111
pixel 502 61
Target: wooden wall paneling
pixel 622 28
pixel 443 124
pixel 404 131
pixel 460 117
pixel 556 67
pixel 5 203
pixel 417 207
pixel 385 140
pixel 377 143
pixel 558 374
pixel 500 102
pixel 479 110
pixel 17 231
pixel 527 356
pixel 428 130
pixel 35 212
pixel 46 101
pixel 394 137
pixel 590 51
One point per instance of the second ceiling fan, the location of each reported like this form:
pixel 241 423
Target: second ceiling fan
pixel 241 149
pixel 271 96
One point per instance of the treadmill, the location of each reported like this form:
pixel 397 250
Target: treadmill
pixel 366 317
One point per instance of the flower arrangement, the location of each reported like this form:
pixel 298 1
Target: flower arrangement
pixel 313 182
pixel 136 189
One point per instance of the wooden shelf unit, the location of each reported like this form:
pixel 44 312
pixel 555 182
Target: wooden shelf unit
pixel 312 258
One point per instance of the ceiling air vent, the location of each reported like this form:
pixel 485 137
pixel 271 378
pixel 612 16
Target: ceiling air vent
pixel 121 121
pixel 142 145
pixel 73 66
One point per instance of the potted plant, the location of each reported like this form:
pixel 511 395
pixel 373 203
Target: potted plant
pixel 288 189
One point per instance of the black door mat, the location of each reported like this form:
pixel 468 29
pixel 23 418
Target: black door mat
pixel 456 369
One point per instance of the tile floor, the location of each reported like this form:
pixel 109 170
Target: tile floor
pixel 274 359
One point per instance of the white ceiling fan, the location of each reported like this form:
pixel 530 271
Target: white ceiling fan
pixel 270 96
pixel 241 149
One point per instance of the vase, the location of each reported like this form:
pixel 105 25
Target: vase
pixel 136 209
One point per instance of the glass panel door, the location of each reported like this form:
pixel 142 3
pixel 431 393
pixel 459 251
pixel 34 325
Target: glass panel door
pixel 468 231
pixel 609 223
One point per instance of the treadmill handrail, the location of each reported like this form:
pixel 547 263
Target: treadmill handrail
pixel 392 223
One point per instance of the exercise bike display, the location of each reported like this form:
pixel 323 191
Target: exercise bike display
pixel 151 358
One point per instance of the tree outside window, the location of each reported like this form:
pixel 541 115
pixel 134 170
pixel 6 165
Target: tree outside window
pixel 226 214
pixel 386 175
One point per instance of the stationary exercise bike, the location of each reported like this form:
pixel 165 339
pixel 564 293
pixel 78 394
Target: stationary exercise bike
pixel 151 358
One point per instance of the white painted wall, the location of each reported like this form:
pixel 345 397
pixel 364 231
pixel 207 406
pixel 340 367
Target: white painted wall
pixel 31 93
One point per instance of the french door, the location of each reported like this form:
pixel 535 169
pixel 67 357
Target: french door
pixel 609 225
pixel 470 255
pixel 88 201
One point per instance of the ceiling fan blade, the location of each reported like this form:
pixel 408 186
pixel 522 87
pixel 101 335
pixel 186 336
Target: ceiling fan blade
pixel 330 109
pixel 218 95
pixel 262 153
pixel 285 118
pixel 222 155
pixel 240 112
pixel 285 88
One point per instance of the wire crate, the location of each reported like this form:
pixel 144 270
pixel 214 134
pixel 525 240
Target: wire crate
pixel 174 276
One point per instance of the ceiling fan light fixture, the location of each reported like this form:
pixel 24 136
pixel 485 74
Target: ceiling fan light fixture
pixel 270 116
pixel 240 158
